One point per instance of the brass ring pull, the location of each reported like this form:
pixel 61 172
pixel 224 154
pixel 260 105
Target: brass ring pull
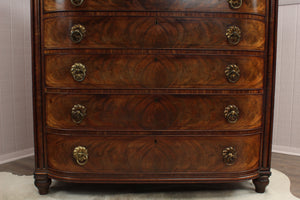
pixel 77 2
pixel 78 72
pixel 233 35
pixel 232 73
pixel 80 154
pixel 231 113
pixel 235 4
pixel 77 33
pixel 229 155
pixel 78 113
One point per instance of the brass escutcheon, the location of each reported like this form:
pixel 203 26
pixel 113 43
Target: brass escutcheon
pixel 233 34
pixel 231 113
pixel 78 113
pixel 235 4
pixel 80 154
pixel 77 33
pixel 229 155
pixel 232 73
pixel 77 2
pixel 78 72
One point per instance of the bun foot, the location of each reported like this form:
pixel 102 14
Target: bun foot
pixel 42 182
pixel 261 183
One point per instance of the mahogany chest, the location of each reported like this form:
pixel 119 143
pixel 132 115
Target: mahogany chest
pixel 153 91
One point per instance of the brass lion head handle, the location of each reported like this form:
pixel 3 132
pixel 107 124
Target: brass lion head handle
pixel 77 33
pixel 232 73
pixel 80 154
pixel 231 113
pixel 78 72
pixel 78 113
pixel 77 2
pixel 235 4
pixel 229 155
pixel 233 34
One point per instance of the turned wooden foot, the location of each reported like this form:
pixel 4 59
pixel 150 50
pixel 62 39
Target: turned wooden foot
pixel 261 183
pixel 42 182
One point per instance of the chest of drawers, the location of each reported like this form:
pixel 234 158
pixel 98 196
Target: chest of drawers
pixel 153 91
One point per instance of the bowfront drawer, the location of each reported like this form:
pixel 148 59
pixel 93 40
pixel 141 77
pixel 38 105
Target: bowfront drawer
pixel 154 32
pixel 153 71
pixel 153 112
pixel 153 154
pixel 243 6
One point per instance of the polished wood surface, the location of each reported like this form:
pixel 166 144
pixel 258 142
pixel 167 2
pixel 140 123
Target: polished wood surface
pixel 149 71
pixel 248 6
pixel 153 112
pixel 154 32
pixel 154 154
pixel 155 69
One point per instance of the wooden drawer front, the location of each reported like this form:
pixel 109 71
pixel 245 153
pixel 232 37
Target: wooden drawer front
pixel 152 32
pixel 247 6
pixel 153 112
pixel 152 71
pixel 153 154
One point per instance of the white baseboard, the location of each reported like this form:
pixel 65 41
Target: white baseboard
pixel 286 150
pixel 16 155
pixel 288 2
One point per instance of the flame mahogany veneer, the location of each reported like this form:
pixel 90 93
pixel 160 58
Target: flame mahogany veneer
pixel 153 91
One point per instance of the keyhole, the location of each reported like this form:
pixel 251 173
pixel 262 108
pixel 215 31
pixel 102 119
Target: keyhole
pixel 155 141
pixel 155 21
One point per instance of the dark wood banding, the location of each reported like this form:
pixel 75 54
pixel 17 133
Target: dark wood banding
pixel 248 6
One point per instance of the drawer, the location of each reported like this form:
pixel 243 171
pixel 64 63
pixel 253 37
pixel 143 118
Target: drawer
pixel 243 6
pixel 154 32
pixel 153 112
pixel 153 154
pixel 153 71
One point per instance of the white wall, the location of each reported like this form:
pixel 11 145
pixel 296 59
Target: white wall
pixel 286 136
pixel 16 128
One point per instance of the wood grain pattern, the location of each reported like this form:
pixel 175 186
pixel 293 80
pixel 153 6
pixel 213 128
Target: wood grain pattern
pixel 154 32
pixel 249 6
pixel 153 154
pixel 180 122
pixel 153 112
pixel 150 71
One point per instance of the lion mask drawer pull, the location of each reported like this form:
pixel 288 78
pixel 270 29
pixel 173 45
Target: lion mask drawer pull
pixel 80 154
pixel 78 72
pixel 233 34
pixel 232 73
pixel 77 2
pixel 231 113
pixel 235 4
pixel 78 113
pixel 229 155
pixel 77 33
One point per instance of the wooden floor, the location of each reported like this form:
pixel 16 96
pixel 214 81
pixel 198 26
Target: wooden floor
pixel 289 165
